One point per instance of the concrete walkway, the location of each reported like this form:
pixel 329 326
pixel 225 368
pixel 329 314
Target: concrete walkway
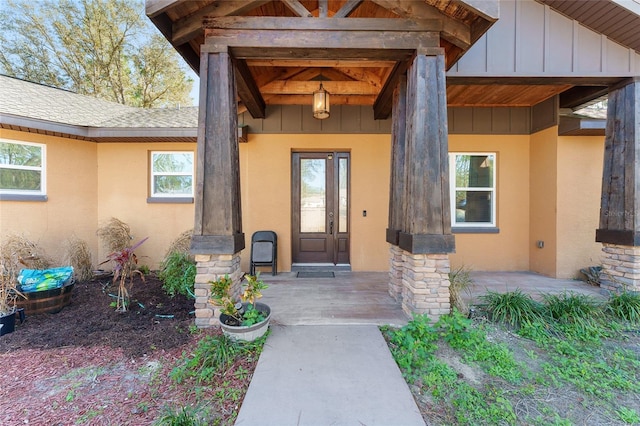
pixel 327 375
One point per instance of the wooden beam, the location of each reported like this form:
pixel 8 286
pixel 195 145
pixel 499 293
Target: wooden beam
pixel 323 8
pixel 156 7
pixel 296 7
pixel 248 90
pixel 327 63
pixel 454 31
pixel 307 99
pixel 488 9
pixel 188 27
pixel 383 105
pixel 361 74
pixel 289 87
pixel 398 162
pixel 324 24
pixel 347 8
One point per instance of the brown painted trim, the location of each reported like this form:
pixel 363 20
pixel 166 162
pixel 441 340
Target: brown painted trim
pixel 23 197
pixel 620 237
pixel 170 200
pixel 474 230
pixel 427 243
pixel 217 244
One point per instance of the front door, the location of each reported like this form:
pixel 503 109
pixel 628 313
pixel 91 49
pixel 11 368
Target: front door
pixel 320 216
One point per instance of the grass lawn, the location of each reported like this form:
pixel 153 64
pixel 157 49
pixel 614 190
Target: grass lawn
pixel 563 361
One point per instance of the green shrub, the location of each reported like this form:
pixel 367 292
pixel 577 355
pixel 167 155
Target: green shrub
pixel 514 308
pixel 577 315
pixel 184 416
pixel 625 306
pixel 178 274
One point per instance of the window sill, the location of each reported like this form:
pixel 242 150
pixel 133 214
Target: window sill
pixel 475 230
pixel 170 200
pixel 22 197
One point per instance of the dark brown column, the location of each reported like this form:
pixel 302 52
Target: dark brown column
pixel 427 218
pixel 218 221
pixel 620 203
pixel 398 142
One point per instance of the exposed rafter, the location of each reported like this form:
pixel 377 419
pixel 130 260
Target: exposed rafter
pixel 347 9
pixel 248 90
pixel 453 31
pixel 190 26
pixel 296 7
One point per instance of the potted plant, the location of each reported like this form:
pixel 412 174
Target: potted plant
pixel 8 296
pixel 243 319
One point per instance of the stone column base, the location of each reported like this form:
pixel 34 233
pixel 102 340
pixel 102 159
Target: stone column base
pixel 620 268
pixel 396 265
pixel 425 284
pixel 210 267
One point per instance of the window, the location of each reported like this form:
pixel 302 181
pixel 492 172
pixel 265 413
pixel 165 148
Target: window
pixel 22 167
pixel 473 189
pixel 172 174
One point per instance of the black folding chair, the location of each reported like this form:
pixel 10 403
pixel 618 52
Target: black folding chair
pixel 264 251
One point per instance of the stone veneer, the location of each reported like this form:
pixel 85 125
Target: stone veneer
pixel 620 268
pixel 396 265
pixel 425 284
pixel 210 267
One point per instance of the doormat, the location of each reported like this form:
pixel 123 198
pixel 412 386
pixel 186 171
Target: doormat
pixel 315 274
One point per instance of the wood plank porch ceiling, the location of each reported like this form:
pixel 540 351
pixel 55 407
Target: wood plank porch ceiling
pixel 353 76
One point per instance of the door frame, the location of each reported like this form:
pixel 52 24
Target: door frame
pixel 341 250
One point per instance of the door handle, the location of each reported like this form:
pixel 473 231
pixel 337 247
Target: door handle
pixel 331 223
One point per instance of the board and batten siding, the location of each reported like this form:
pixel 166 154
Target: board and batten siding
pixel 531 39
pixel 294 119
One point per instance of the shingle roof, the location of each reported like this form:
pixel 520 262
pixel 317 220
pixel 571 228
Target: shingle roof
pixel 35 101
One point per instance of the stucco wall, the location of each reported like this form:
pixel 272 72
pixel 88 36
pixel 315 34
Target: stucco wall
pixel 543 187
pixel 123 186
pixel 71 208
pixel 507 250
pixel 266 192
pixel 580 162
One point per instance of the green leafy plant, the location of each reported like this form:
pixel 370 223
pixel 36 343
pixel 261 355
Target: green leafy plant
pixel 514 308
pixel 124 267
pixel 183 416
pixel 178 274
pixel 239 314
pixel 625 306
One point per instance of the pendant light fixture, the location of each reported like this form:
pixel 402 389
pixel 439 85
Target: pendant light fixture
pixel 321 108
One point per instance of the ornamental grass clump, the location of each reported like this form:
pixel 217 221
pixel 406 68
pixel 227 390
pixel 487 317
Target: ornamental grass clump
pixel 625 306
pixel 79 256
pixel 115 235
pixel 514 308
pixel 573 310
pixel 178 268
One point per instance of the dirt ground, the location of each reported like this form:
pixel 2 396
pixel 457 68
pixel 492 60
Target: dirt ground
pixel 91 365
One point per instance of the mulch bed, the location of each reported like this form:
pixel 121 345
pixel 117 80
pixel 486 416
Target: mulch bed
pixel 91 365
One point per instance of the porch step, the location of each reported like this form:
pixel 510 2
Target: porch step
pixel 320 267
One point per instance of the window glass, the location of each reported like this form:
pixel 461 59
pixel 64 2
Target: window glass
pixel 22 168
pixel 313 195
pixel 473 189
pixel 172 174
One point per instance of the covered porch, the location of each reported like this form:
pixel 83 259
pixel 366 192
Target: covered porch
pixel 362 298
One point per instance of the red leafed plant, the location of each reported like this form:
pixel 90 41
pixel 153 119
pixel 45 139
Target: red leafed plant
pixel 124 266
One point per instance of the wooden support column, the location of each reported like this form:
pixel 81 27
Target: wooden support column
pixel 427 217
pixel 398 148
pixel 396 187
pixel 218 219
pixel 619 229
pixel 425 225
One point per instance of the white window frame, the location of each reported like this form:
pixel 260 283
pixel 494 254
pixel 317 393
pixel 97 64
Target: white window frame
pixel 153 174
pixel 454 188
pixel 42 169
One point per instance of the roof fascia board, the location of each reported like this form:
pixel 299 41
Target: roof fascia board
pixel 44 125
